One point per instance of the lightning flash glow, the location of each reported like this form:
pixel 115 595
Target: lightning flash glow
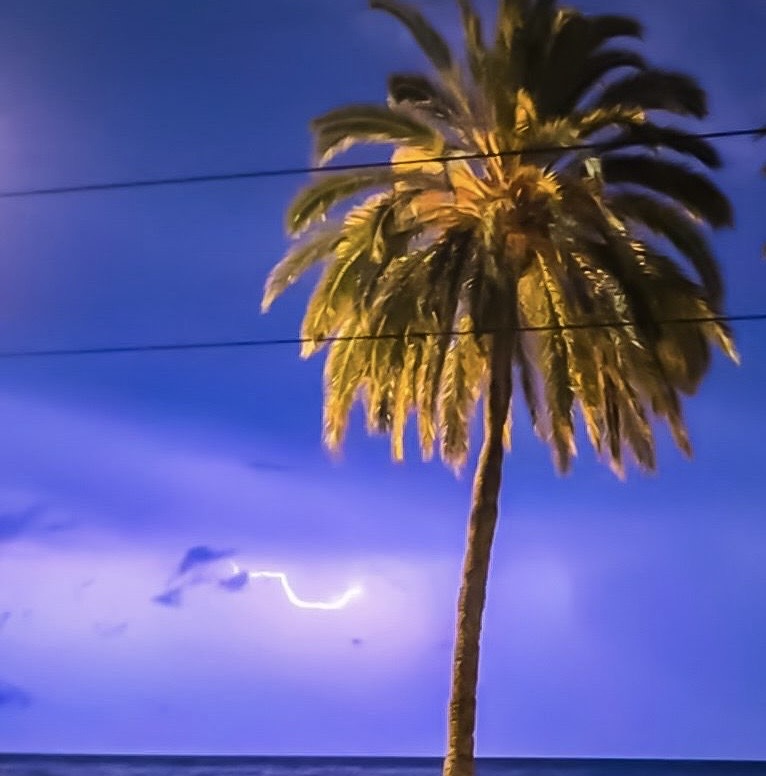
pixel 337 603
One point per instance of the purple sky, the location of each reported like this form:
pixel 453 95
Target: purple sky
pixel 623 620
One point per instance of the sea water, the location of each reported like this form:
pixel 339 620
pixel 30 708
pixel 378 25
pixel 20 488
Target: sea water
pixel 52 765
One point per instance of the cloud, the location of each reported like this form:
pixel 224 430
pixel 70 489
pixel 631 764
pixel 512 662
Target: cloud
pixel 23 515
pixel 4 617
pixel 237 582
pixel 200 556
pixel 196 557
pixel 15 523
pixel 170 598
pixel 11 695
pixel 142 480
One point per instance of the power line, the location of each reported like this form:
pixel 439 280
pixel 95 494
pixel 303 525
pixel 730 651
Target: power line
pixel 280 172
pixel 254 343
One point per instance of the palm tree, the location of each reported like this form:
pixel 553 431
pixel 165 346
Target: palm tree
pixel 448 280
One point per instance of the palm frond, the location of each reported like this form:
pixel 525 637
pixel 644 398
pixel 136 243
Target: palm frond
pixel 464 367
pixel 536 38
pixel 476 52
pixel 339 289
pixel 329 303
pixel 664 219
pixel 403 399
pixel 721 334
pixel 695 192
pixel 613 427
pixel 511 15
pixel 439 308
pixel 524 356
pixel 624 284
pixel 684 143
pixel 508 429
pixel 314 201
pixel 584 358
pixel 592 122
pixel 338 130
pixel 566 42
pixel 343 373
pixel 636 428
pixel 591 75
pixel 667 404
pixel 656 90
pixel 506 62
pixel 386 358
pixel 491 245
pixel 428 382
pixel 556 368
pixel 298 259
pixel 575 64
pixel 683 350
pixel 430 41
pixel 422 94
pixel 368 228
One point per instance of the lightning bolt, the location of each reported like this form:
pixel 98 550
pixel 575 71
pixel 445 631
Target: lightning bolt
pixel 337 603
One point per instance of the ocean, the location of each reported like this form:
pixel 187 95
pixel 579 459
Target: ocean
pixel 81 765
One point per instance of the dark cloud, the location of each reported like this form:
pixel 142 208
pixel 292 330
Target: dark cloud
pixel 196 557
pixel 4 617
pixel 110 630
pixel 357 642
pixel 171 598
pixel 33 519
pixel 237 582
pixel 14 524
pixel 200 556
pixel 11 695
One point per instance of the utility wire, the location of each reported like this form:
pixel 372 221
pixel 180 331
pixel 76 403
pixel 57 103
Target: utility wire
pixel 254 343
pixel 280 172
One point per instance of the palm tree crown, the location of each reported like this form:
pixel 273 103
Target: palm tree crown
pixel 436 261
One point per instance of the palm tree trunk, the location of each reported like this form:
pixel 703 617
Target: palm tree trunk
pixel 473 590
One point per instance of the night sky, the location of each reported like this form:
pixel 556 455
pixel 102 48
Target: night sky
pixel 624 619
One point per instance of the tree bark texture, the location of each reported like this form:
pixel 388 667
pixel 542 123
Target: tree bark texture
pixel 480 534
